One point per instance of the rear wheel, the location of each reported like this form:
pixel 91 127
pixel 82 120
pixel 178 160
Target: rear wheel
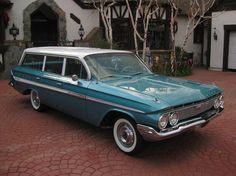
pixel 127 137
pixel 35 101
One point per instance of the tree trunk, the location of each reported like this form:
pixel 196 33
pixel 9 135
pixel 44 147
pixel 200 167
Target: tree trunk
pixel 105 11
pixel 136 44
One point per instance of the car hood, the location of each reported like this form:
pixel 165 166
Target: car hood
pixel 170 90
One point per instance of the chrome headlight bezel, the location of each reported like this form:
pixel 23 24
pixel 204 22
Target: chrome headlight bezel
pixel 173 116
pixel 163 121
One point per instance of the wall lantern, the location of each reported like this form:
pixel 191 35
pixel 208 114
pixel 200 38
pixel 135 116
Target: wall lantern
pixel 215 34
pixel 81 32
pixel 14 31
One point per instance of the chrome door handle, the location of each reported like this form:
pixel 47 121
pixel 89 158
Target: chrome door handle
pixel 37 78
pixel 59 84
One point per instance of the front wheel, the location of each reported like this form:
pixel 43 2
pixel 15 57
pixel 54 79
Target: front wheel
pixel 35 101
pixel 127 137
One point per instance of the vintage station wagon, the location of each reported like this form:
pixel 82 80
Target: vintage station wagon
pixel 113 88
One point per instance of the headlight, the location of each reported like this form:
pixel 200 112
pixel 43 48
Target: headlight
pixel 163 121
pixel 174 118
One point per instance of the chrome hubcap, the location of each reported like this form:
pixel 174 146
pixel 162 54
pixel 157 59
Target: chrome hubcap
pixel 35 99
pixel 125 134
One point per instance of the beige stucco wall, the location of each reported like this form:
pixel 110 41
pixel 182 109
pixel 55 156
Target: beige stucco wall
pixel 190 46
pixel 219 19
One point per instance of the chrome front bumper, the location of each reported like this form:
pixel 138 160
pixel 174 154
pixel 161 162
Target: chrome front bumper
pixel 151 134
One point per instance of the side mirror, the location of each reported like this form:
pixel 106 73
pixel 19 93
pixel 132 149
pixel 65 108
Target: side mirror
pixel 75 77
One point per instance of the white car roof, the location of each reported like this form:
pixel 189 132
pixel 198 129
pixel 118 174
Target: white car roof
pixel 80 52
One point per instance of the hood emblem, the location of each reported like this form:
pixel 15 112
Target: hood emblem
pixel 156 100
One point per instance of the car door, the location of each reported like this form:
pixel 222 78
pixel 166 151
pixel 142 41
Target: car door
pixel 74 100
pixel 52 92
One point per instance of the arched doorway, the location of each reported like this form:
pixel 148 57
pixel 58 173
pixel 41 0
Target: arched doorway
pixel 44 27
pixel 44 23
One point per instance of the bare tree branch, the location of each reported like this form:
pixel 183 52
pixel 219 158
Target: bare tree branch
pixel 145 9
pixel 104 8
pixel 174 4
pixel 196 14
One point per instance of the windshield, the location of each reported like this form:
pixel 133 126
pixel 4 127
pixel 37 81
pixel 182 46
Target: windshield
pixel 108 65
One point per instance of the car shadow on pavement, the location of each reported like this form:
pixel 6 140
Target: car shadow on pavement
pixel 163 152
pixel 183 143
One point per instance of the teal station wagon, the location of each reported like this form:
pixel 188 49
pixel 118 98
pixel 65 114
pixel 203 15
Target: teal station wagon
pixel 112 88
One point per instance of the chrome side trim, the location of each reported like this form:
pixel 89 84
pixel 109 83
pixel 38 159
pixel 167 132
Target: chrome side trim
pixel 76 94
pixel 150 133
pixel 49 87
pixel 114 105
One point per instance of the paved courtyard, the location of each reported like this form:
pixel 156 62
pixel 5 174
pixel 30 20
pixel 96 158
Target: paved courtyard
pixel 52 143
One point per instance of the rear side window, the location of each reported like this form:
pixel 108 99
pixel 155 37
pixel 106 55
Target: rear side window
pixel 75 67
pixel 54 64
pixel 33 61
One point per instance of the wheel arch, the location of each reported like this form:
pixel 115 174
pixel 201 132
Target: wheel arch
pixel 26 91
pixel 111 116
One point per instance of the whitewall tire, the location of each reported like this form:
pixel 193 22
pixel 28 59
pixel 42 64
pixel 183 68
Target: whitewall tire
pixel 126 136
pixel 35 101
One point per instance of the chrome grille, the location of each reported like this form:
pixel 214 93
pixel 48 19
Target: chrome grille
pixel 195 109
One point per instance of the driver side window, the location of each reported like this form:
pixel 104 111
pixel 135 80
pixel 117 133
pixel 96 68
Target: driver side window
pixel 75 67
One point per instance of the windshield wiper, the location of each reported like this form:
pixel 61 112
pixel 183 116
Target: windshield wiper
pixel 115 76
pixel 107 76
pixel 137 73
pixel 120 76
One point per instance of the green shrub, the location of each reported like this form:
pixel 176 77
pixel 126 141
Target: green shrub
pixel 165 69
pixel 183 65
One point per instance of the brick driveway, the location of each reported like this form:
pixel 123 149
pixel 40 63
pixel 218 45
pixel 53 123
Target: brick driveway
pixel 52 143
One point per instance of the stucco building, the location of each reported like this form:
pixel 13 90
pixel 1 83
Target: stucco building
pixel 223 36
